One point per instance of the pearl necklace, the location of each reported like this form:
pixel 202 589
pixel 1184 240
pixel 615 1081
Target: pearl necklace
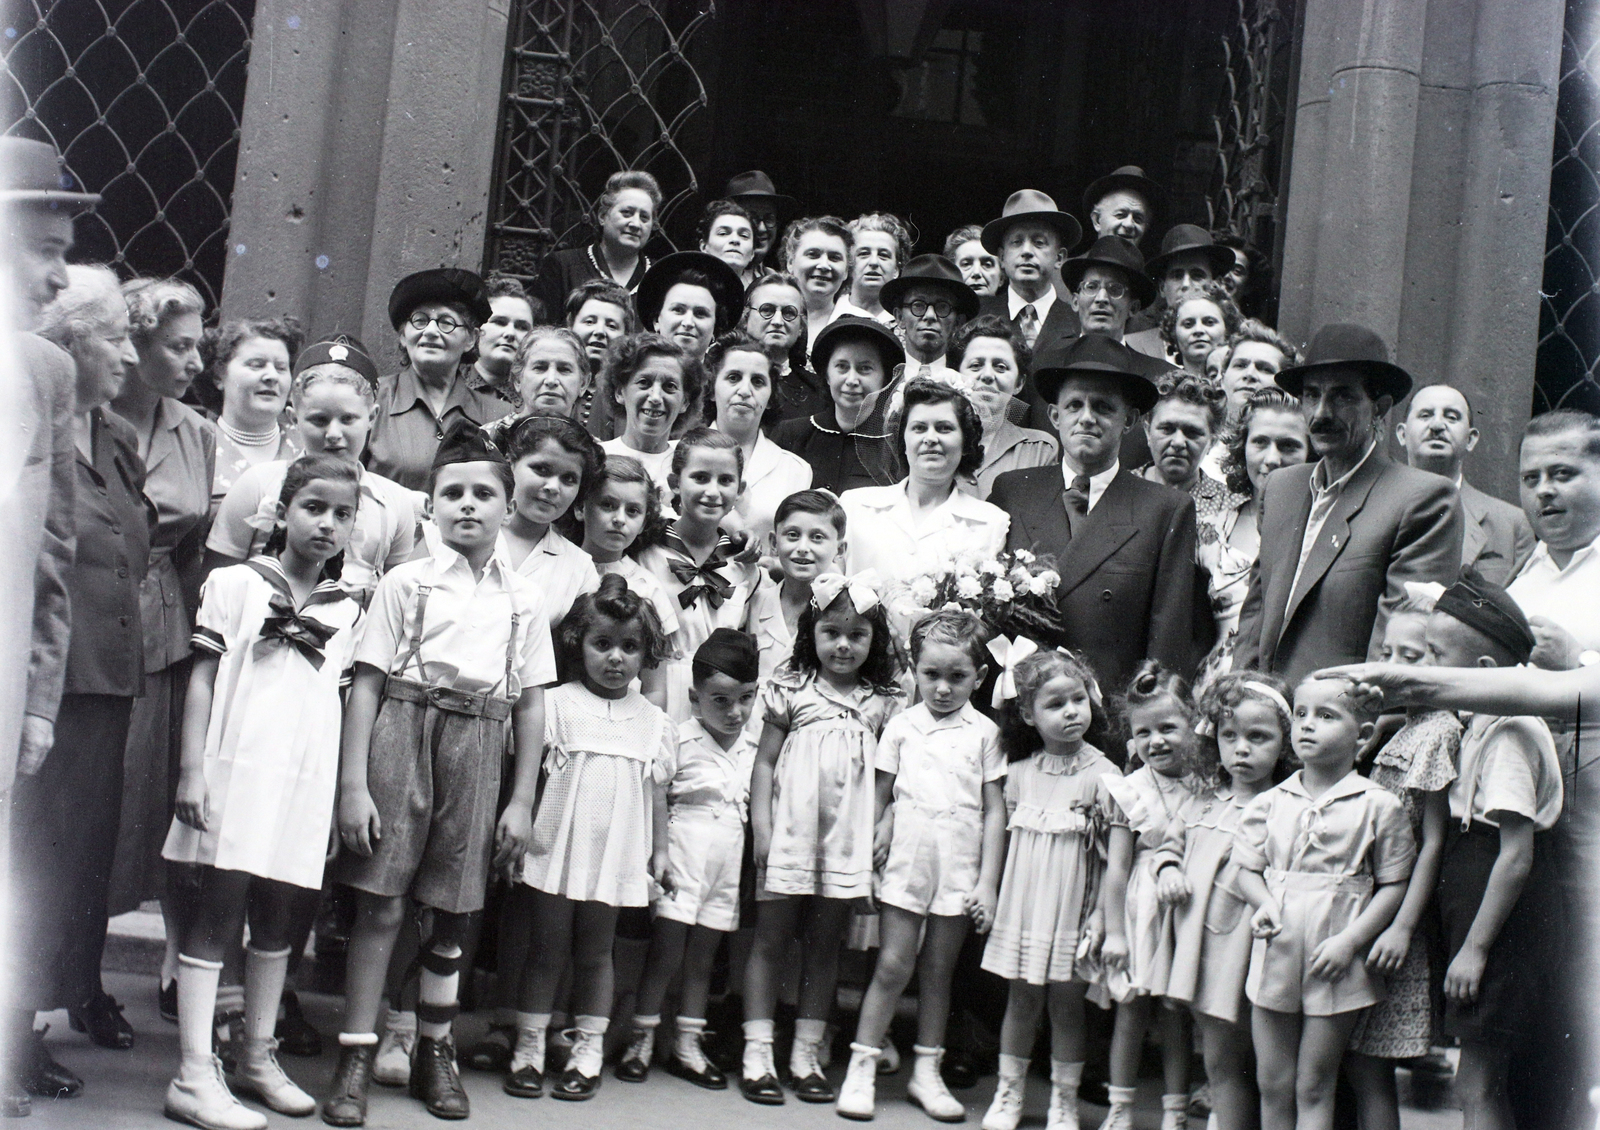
pixel 249 439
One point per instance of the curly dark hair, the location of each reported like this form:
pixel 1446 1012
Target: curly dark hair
pixel 1213 292
pixel 1201 392
pixel 921 392
pixel 628 356
pixel 1254 294
pixel 881 669
pixel 532 432
pixel 1218 700
pixel 734 341
pixel 991 325
pixel 627 469
pixel 218 345
pixel 1019 739
pixel 614 601
pixel 715 211
pixel 1235 473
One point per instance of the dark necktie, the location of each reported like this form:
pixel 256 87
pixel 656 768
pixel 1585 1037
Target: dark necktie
pixel 1076 498
pixel 1028 323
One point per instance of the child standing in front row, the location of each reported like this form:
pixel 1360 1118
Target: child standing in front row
pixel 807 540
pixel 273 640
pixel 1049 925
pixel 455 646
pixel 707 799
pixel 1323 860
pixel 940 841
pixel 811 818
pixel 600 835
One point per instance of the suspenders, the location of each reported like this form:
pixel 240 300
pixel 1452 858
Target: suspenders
pixel 486 704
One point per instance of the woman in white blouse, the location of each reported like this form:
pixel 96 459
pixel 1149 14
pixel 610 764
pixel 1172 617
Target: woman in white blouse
pixel 739 402
pixel 921 523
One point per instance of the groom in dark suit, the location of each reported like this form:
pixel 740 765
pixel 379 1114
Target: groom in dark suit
pixel 1124 546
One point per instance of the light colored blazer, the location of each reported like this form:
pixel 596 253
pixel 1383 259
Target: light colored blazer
pixel 1496 538
pixel 772 475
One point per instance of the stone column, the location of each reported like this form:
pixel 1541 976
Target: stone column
pixel 366 153
pixel 1417 192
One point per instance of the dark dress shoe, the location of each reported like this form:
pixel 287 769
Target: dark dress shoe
pixel 44 1077
pixel 493 1052
pixel 575 1086
pixel 524 1083
pixel 959 1071
pixel 711 1078
pixel 814 1088
pixel 764 1090
pixel 632 1070
pixel 435 1080
pixel 294 1032
pixel 346 1104
pixel 167 1001
pixel 102 1018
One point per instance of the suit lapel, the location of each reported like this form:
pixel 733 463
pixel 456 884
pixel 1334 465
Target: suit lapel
pixel 1335 533
pixel 1042 513
pixel 1103 531
pixel 1473 536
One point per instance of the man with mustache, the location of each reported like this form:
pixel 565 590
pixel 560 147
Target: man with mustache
pixel 1342 536
pixel 1437 434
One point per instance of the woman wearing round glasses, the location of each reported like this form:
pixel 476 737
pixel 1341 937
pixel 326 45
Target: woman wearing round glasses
pixel 775 313
pixel 437 314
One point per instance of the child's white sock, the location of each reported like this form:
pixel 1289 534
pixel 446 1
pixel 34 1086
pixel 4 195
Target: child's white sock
pixel 757 1049
pixel 1122 1096
pixel 588 1050
pixel 1013 1066
pixel 686 1044
pixel 808 1037
pixel 264 975
pixel 529 1051
pixel 197 998
pixel 1174 1112
pixel 437 996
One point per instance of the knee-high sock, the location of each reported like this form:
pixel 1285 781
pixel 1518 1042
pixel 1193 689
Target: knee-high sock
pixel 264 974
pixel 197 998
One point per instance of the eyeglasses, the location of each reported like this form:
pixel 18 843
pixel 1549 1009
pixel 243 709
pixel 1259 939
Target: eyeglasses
pixel 920 306
pixel 1114 290
pixel 768 311
pixel 446 324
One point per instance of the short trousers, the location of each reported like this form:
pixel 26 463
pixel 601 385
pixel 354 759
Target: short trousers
pixel 934 857
pixel 706 851
pixel 1315 907
pixel 434 776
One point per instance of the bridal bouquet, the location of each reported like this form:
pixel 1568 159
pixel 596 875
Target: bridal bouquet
pixel 1014 594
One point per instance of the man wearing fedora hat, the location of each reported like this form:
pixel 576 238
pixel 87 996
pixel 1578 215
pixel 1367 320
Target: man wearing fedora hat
pixel 1349 529
pixel 765 204
pixel 1031 237
pixel 1124 547
pixel 930 301
pixel 1189 259
pixel 1124 202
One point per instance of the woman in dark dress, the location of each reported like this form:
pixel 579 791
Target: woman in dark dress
pixel 626 215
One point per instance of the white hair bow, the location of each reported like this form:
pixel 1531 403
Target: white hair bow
pixel 1008 653
pixel 863 590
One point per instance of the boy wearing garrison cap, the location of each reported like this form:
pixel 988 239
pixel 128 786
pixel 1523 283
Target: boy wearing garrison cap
pixel 455 646
pixel 1497 900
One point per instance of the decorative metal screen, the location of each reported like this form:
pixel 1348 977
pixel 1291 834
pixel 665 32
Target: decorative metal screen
pixel 593 86
pixel 143 98
pixel 1569 306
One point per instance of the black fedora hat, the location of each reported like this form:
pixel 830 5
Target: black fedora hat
pixel 1100 356
pixel 1032 206
pixel 454 285
pixel 756 185
pixel 32 172
pixel 848 327
pixel 1190 239
pixel 1128 178
pixel 1112 251
pixel 931 270
pixel 726 289
pixel 1342 345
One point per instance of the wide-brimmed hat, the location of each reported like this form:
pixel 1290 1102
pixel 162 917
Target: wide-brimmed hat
pixel 1128 178
pixel 1032 206
pixel 851 328
pixel 726 289
pixel 1187 239
pixel 33 172
pixel 1100 356
pixel 756 185
pixel 1342 345
pixel 451 285
pixel 1111 251
pixel 935 271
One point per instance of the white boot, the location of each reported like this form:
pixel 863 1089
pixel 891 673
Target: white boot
pixel 927 1088
pixel 1006 1109
pixel 392 1067
pixel 1064 1080
pixel 207 1103
pixel 857 1096
pixel 1120 1115
pixel 259 1073
pixel 1174 1112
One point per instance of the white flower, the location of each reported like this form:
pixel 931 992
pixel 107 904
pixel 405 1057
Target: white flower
pixel 1044 583
pixel 1024 557
pixel 968 587
pixel 1019 576
pixel 923 590
pixel 1003 591
pixel 993 568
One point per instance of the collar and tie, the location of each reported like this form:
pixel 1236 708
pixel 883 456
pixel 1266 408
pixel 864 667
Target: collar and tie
pixel 1076 499
pixel 288 625
pixel 1028 323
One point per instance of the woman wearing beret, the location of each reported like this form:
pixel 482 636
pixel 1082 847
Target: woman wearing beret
pixel 65 810
pixel 626 215
pixel 437 314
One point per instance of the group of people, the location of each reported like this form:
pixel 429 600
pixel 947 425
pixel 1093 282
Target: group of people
pixel 586 615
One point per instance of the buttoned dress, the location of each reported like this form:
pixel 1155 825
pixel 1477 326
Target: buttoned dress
pixel 708 798
pixel 940 766
pixel 407 432
pixel 1153 807
pixel 1322 857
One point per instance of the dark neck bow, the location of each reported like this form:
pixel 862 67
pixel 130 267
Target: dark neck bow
pixel 285 623
pixel 699 580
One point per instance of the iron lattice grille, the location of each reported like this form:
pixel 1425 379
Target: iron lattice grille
pixel 593 86
pixel 143 98
pixel 1569 301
